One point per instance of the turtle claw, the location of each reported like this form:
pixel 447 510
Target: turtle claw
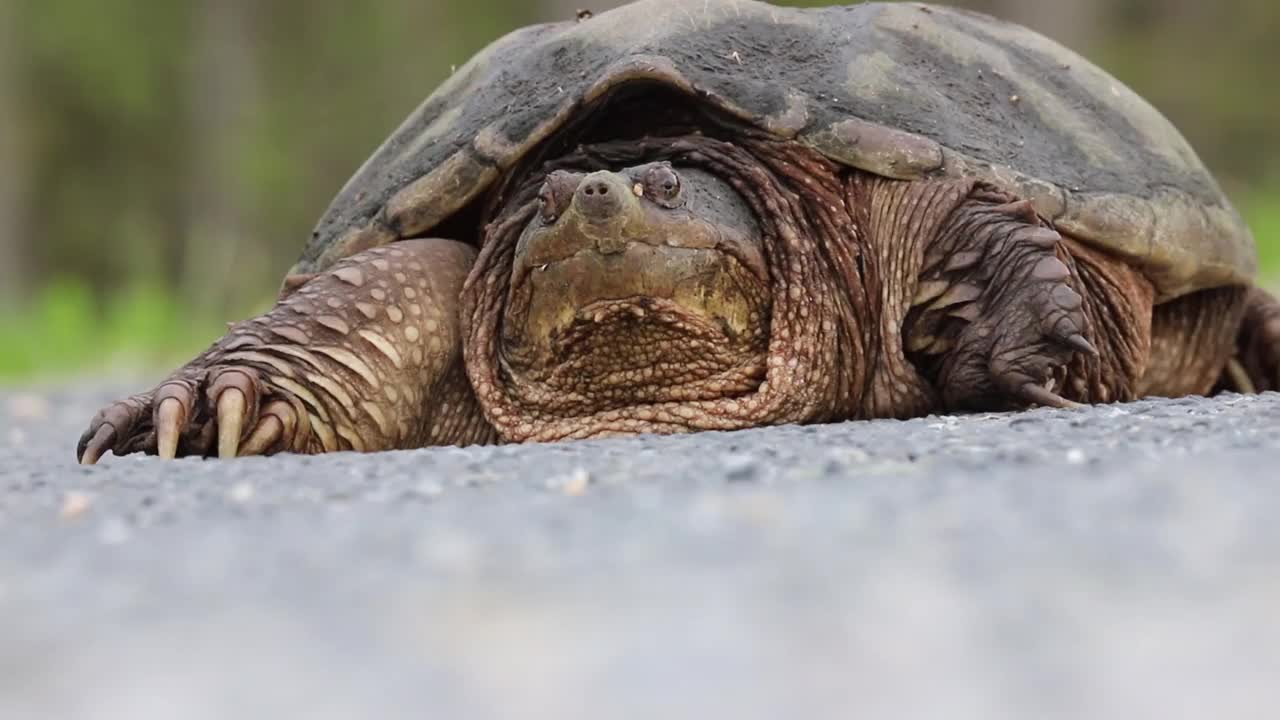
pixel 112 428
pixel 231 409
pixel 264 437
pixel 224 410
pixel 234 394
pixel 1027 323
pixel 93 448
pixel 1079 342
pixel 1040 395
pixel 169 421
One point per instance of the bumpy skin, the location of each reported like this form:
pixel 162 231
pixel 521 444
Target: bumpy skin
pixel 364 357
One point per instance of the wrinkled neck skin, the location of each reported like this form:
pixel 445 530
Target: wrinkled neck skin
pixel 593 311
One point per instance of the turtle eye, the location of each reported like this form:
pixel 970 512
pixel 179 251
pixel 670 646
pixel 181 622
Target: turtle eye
pixel 547 204
pixel 662 185
pixel 555 194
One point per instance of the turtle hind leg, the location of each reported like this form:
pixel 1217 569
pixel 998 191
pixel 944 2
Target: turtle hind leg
pixel 1192 340
pixel 1255 366
pixel 366 356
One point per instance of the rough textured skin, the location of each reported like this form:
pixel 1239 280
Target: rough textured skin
pixel 900 90
pixel 364 357
pixel 812 369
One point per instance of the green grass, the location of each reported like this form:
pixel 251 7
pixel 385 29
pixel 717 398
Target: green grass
pixel 1263 215
pixel 64 332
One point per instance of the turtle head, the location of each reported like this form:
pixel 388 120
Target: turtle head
pixel 620 274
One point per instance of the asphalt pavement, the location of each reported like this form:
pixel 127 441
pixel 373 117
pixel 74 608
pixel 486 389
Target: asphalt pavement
pixel 1115 562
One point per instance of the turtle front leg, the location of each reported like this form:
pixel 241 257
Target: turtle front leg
pixel 999 314
pixel 366 356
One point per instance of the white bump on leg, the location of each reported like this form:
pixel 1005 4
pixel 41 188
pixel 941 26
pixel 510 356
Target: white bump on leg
pixel 376 413
pixel 349 360
pixel 383 346
pixel 334 323
pixel 336 391
pixel 292 334
pixel 350 276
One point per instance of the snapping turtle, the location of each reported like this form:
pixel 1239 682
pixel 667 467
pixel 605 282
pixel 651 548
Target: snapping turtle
pixel 683 216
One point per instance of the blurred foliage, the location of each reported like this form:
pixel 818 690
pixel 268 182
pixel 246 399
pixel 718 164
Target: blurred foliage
pixel 163 160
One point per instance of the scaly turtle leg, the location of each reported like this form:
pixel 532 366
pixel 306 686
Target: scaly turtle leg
pixel 998 314
pixel 366 356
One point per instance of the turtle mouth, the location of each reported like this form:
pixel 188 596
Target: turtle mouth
pixel 704 291
pixel 644 324
pixel 711 242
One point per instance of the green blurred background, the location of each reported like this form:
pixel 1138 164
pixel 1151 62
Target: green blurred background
pixel 161 161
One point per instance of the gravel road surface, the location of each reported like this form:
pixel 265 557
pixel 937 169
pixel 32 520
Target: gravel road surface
pixel 1114 562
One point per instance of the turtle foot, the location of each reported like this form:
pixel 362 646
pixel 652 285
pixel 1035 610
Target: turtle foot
pixel 1002 309
pixel 365 357
pixel 226 410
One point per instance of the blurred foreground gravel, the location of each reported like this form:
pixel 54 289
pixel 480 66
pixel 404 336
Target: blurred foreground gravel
pixel 1116 562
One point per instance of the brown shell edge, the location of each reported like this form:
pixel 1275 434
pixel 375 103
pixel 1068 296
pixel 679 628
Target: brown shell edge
pixel 1181 245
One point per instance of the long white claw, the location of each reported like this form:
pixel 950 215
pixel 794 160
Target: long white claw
pixel 264 437
pixel 169 421
pixel 98 445
pixel 1043 396
pixel 231 407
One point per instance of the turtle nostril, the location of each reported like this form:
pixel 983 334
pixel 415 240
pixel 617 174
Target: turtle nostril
pixel 599 198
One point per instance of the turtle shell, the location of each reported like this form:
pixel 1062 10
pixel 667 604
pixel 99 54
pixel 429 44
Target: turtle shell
pixel 904 90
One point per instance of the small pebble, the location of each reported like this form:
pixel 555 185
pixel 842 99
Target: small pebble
pixel 574 485
pixel 28 406
pixel 74 504
pixel 241 492
pixel 430 488
pixel 740 468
